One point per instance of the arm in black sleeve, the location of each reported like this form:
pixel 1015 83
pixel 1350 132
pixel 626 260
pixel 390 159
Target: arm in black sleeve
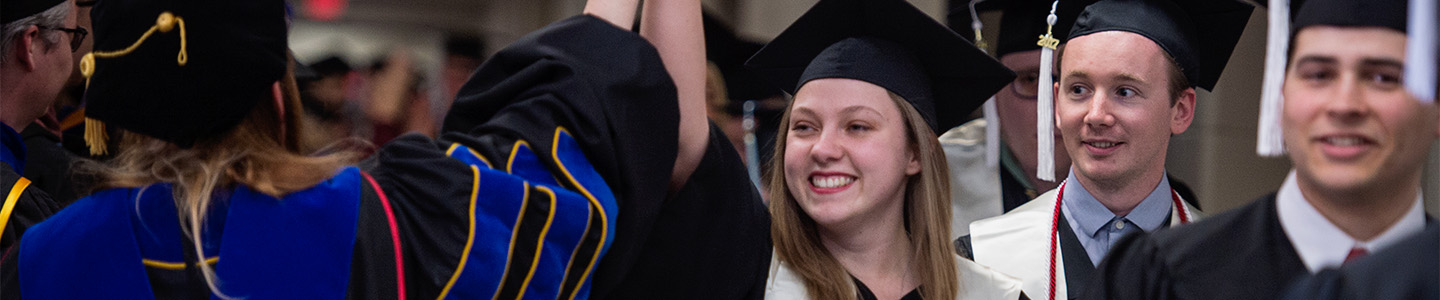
pixel 580 78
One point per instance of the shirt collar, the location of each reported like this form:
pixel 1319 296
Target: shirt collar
pixel 1090 215
pixel 1320 243
pixel 12 149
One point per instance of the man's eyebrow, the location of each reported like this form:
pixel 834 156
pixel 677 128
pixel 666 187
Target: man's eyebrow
pixel 1382 62
pixel 1315 59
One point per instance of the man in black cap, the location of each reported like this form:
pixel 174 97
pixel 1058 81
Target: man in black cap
pixel 1358 141
pixel 1127 83
pixel 1016 180
pixel 983 192
pixel 35 60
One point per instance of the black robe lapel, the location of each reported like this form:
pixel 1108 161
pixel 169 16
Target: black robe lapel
pixel 1078 268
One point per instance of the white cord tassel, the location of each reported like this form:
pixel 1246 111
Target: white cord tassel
pixel 992 115
pixel 1269 139
pixel 992 134
pixel 1045 105
pixel 1420 50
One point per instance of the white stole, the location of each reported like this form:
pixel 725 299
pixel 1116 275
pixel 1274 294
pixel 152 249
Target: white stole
pixel 1018 244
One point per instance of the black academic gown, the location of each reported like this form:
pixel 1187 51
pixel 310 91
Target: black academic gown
pixel 48 164
pixel 1013 193
pixel 1240 254
pixel 607 89
pixel 1407 270
pixel 31 207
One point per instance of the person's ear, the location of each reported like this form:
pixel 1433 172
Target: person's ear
pixel 29 48
pixel 1182 114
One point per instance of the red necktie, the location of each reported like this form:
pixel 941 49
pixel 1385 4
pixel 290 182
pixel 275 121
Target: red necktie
pixel 1355 253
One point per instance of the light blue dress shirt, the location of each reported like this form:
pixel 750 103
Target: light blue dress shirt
pixel 1098 228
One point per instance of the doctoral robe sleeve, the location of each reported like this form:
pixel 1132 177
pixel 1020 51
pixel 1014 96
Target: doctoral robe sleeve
pixel 554 150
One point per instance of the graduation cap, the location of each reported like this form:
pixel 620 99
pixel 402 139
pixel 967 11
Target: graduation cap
pixel 305 74
pixel 465 45
pixel 12 10
pixel 963 17
pixel 729 51
pixel 1023 21
pixel 329 66
pixel 180 70
pixel 888 43
pixel 1346 13
pixel 1199 34
pixel 1024 26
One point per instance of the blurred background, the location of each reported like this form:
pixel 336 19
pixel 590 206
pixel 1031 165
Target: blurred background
pixel 385 67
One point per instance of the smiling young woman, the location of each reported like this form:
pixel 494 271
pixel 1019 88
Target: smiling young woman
pixel 864 212
pixel 895 190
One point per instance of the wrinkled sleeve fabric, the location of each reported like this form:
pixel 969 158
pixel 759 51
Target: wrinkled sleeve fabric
pixel 553 151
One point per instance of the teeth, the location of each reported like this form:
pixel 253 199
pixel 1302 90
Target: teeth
pixel 1343 141
pixel 831 181
pixel 1103 145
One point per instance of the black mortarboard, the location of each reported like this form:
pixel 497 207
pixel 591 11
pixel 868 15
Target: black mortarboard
pixel 1198 34
pixel 729 52
pixel 465 45
pixel 1382 13
pixel 330 66
pixel 196 67
pixel 12 10
pixel 1023 22
pixel 888 43
pixel 959 17
pixel 305 74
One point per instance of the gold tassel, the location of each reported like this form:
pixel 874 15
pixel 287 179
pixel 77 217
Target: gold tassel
pixel 95 137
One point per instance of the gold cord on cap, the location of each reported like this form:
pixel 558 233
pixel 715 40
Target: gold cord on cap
pixel 95 135
pixel 980 41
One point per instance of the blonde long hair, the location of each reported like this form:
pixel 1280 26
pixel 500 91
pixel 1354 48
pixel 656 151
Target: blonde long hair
pixel 927 218
pixel 259 153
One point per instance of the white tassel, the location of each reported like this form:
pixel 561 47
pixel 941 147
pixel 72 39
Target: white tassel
pixel 992 134
pixel 1420 51
pixel 992 115
pixel 976 25
pixel 1045 119
pixel 1045 104
pixel 1269 139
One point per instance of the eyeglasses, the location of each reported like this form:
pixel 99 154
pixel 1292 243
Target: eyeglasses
pixel 1026 85
pixel 77 35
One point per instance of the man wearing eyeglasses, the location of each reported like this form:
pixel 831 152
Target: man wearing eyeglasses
pixel 35 61
pixel 47 160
